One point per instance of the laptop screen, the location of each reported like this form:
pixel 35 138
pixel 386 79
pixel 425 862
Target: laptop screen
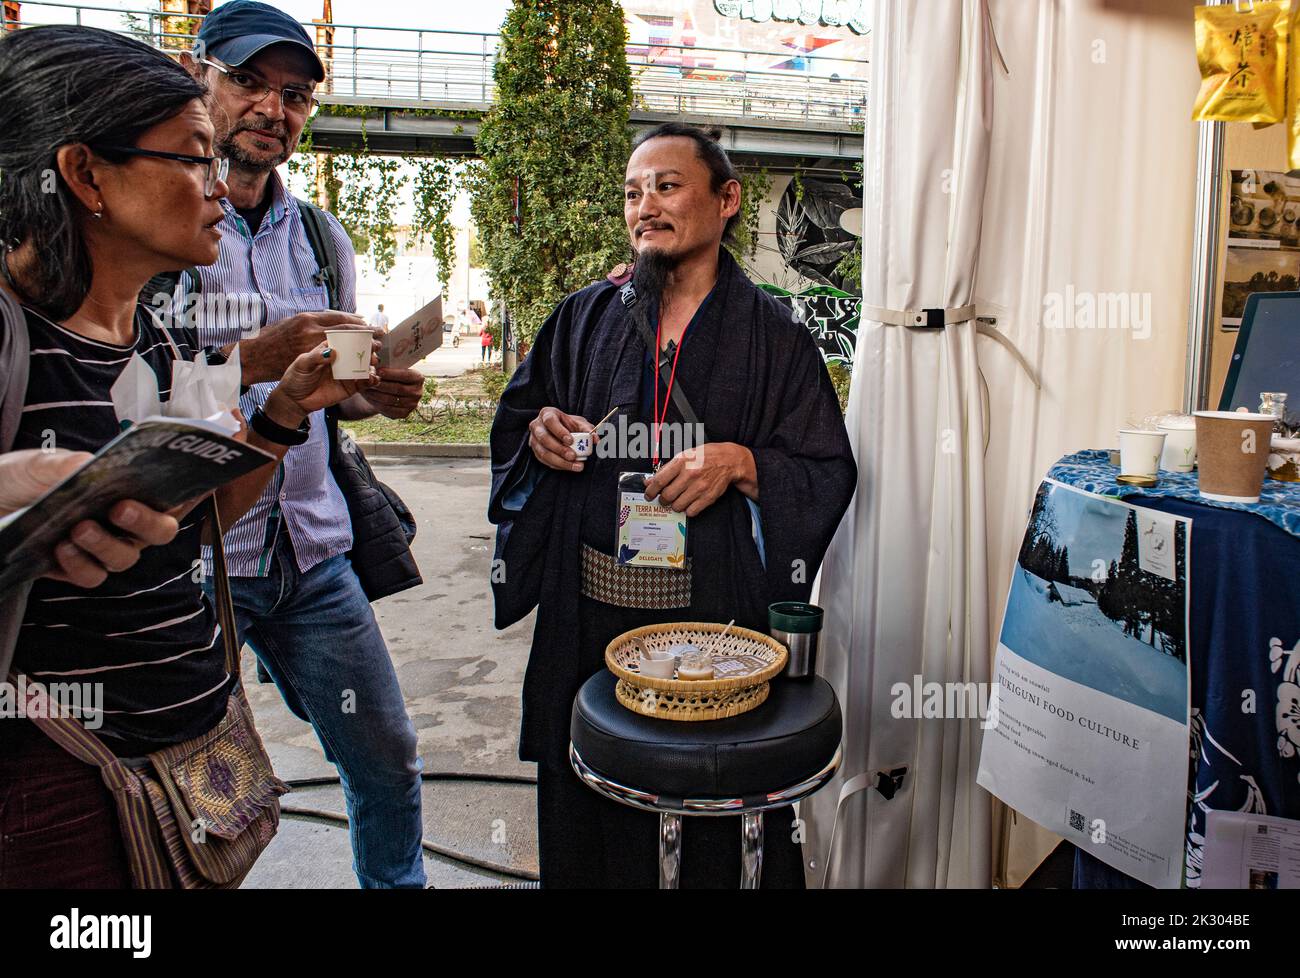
pixel 1267 354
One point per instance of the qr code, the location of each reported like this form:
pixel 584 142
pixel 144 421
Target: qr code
pixel 1078 822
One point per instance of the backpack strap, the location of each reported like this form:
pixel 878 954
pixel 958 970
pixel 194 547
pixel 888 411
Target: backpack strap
pixel 14 362
pixel 15 358
pixel 315 224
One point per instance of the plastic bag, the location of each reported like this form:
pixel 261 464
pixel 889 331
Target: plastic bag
pixel 1243 59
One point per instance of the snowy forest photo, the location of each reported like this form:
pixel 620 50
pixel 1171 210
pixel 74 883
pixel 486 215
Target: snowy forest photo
pixel 1082 605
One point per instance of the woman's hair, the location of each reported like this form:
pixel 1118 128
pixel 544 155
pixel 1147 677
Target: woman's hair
pixel 62 85
pixel 710 151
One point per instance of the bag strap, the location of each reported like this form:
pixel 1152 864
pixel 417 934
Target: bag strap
pixel 15 359
pixel 315 224
pixel 135 815
pixel 621 277
pixel 665 375
pixel 225 603
pixel 143 851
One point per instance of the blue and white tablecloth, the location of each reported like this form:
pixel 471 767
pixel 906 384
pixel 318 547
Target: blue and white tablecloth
pixel 1244 643
pixel 1091 471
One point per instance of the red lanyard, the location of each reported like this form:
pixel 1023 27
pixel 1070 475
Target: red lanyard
pixel 658 418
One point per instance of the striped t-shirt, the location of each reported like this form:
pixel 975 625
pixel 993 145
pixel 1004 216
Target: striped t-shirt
pixel 148 634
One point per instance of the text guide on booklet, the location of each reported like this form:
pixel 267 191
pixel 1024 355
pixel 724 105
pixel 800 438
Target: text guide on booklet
pixel 161 462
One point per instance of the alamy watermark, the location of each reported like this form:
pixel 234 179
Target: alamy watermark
pixel 28 700
pixel 636 440
pixel 227 311
pixel 921 700
pixel 1079 309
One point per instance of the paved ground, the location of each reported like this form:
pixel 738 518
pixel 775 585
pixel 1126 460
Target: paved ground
pixel 449 361
pixel 462 681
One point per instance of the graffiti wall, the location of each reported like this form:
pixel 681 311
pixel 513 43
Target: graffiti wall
pixel 806 229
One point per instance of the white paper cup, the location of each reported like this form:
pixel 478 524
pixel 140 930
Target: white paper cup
pixel 1179 454
pixel 581 442
pixel 351 352
pixel 659 668
pixel 1139 452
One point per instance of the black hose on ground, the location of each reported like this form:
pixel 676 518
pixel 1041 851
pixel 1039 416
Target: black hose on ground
pixel 320 815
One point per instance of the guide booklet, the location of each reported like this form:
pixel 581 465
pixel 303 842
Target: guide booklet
pixel 162 462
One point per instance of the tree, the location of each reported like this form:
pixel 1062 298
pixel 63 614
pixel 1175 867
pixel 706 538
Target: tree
pixel 547 194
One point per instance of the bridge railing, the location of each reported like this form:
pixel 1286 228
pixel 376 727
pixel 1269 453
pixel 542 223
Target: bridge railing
pixel 426 68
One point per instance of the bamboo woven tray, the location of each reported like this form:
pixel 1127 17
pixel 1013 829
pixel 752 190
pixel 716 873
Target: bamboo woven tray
pixel 707 699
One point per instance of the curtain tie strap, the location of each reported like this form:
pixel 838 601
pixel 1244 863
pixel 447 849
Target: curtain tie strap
pixel 923 318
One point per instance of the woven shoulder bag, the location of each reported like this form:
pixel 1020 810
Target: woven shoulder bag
pixel 195 815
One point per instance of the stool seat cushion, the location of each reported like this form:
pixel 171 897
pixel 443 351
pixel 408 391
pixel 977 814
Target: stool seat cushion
pixel 791 737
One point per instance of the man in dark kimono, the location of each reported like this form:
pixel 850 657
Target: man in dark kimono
pixel 762 496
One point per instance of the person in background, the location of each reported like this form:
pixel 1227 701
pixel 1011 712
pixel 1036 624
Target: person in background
pixel 380 319
pixel 485 341
pixel 299 602
pixel 137 194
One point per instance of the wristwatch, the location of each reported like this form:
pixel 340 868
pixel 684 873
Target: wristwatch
pixel 278 433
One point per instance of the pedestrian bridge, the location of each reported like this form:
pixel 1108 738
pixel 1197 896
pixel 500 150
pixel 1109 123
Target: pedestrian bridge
pixel 423 90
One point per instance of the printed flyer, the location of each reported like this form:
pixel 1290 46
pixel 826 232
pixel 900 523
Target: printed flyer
pixel 1088 732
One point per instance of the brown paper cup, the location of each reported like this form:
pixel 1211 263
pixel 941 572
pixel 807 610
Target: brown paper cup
pixel 1233 450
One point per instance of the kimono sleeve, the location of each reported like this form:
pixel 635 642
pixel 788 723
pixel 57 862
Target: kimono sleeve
pixel 524 492
pixel 516 473
pixel 806 473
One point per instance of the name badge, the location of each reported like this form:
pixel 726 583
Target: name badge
pixel 650 534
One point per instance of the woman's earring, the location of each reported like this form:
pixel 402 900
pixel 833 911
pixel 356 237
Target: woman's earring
pixel 99 213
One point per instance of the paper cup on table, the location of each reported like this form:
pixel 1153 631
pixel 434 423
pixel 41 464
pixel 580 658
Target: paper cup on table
pixel 1179 454
pixel 1139 452
pixel 351 352
pixel 1233 448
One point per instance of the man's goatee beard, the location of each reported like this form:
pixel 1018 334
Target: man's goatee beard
pixel 242 160
pixel 650 278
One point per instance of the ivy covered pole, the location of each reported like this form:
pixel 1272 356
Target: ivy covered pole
pixel 547 194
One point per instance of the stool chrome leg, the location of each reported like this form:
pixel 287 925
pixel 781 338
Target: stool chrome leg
pixel 670 850
pixel 751 852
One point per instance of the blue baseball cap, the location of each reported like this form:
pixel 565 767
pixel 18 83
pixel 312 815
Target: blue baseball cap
pixel 237 31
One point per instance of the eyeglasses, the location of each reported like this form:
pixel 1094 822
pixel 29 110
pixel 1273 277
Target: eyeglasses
pixel 217 167
pixel 297 100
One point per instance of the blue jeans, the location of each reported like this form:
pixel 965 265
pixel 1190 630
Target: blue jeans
pixel 317 637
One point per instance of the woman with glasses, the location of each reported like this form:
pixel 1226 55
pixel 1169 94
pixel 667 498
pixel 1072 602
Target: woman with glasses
pixel 107 179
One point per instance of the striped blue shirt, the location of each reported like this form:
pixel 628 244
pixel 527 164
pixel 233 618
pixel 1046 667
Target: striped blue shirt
pixel 260 279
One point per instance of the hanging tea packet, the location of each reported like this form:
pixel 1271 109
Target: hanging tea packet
pixel 1242 51
pixel 1293 94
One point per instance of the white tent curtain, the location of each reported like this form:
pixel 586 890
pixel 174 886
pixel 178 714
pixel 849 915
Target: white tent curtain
pixel 1085 191
pixel 905 583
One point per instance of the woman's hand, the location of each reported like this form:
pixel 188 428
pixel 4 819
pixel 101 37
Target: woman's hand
pixel 27 475
pixel 308 385
pixel 93 550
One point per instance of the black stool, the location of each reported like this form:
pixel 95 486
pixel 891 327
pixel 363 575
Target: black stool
pixel 771 756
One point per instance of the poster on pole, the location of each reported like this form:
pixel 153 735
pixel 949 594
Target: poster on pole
pixel 1087 731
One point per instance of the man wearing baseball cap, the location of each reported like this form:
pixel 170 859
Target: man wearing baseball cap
pixel 298 600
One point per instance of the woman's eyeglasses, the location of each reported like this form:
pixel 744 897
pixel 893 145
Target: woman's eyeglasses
pixel 300 101
pixel 217 166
